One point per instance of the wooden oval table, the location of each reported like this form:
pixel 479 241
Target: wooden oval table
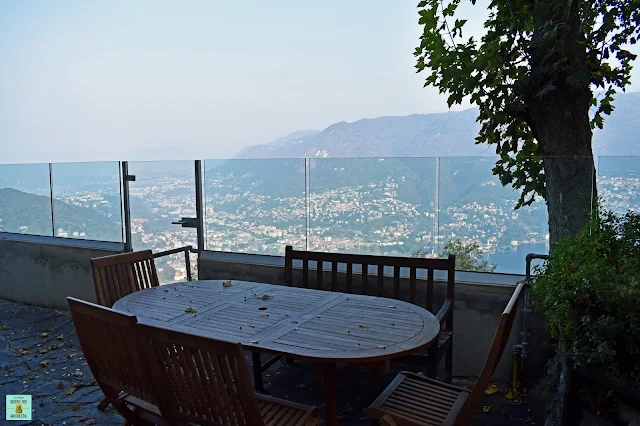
pixel 320 326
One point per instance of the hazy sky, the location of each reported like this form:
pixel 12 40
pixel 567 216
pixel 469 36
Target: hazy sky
pixel 153 79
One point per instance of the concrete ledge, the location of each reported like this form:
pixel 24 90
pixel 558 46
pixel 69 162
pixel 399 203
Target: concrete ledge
pixel 477 311
pixel 39 273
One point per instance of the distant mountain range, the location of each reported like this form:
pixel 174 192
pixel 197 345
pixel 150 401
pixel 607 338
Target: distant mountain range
pixel 434 135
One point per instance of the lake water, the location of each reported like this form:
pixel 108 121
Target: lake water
pixel 513 260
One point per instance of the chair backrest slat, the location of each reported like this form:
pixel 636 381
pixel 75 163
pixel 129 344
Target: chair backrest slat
pixel 110 345
pixel 319 275
pixel 380 281
pixel 119 275
pixel 396 263
pixel 429 297
pixel 365 280
pixel 200 380
pixel 495 353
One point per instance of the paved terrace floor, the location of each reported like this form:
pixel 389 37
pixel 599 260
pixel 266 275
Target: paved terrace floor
pixel 40 356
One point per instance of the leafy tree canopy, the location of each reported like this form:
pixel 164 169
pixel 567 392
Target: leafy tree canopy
pixel 530 49
pixel 468 255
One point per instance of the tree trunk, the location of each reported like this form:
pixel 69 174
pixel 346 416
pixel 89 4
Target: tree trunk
pixel 558 114
pixel 562 128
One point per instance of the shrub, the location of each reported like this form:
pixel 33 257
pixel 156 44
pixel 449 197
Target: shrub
pixel 590 294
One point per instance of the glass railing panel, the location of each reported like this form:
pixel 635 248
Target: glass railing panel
pixel 163 192
pixel 255 206
pixel 87 201
pixel 173 268
pixel 25 199
pixel 477 219
pixel 619 183
pixel 382 206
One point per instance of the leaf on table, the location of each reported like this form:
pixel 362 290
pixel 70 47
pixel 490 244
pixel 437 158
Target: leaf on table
pixel 226 284
pixel 191 310
pixel 43 351
pixel 265 297
pixel 44 363
pixel 70 391
pixel 60 385
pixel 364 326
pixel 23 351
pixel 60 337
pixel 30 378
pixel 491 390
pixel 486 408
pixel 5 327
pixel 381 346
pixel 54 347
pixel 44 334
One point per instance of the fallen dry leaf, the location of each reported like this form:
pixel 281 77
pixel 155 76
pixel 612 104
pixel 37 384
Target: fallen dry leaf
pixel 60 385
pixel 226 284
pixel 45 334
pixel 89 422
pixel 265 297
pixel 44 363
pixel 486 408
pixel 30 378
pixel 60 337
pixel 43 351
pixel 5 327
pixel 23 351
pixel 70 391
pixel 491 389
pixel 364 326
pixel 191 310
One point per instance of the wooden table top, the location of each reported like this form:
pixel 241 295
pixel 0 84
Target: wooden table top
pixel 296 322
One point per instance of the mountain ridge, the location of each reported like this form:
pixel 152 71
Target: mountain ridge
pixel 450 133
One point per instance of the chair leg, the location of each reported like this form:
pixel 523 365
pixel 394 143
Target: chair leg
pixel 104 404
pixel 448 362
pixel 432 363
pixel 257 371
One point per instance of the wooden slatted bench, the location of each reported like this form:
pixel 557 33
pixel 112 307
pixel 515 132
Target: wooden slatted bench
pixel 378 276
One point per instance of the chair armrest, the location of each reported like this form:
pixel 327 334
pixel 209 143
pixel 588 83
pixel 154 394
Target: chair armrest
pixel 387 420
pixel 444 311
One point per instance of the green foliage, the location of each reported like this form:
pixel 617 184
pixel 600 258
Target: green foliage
pixel 590 294
pixel 468 256
pixel 530 49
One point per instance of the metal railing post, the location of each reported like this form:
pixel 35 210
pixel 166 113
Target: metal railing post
pixel 199 209
pixel 53 218
pixel 126 178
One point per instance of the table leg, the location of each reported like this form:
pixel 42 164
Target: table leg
pixel 330 397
